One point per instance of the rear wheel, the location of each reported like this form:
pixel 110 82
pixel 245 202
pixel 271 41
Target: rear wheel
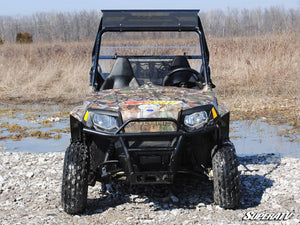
pixel 226 177
pixel 75 178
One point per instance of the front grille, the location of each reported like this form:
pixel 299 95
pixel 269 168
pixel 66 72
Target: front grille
pixel 150 126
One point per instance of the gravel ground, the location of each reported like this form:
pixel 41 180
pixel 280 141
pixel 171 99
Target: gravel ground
pixel 30 186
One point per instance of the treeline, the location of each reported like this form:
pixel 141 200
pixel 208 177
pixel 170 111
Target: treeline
pixel 81 26
pixel 50 27
pixel 234 22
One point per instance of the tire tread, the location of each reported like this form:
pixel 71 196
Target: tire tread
pixel 75 178
pixel 226 177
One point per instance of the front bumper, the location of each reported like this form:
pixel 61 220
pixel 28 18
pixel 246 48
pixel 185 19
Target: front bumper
pixel 153 161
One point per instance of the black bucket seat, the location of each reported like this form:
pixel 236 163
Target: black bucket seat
pixel 121 75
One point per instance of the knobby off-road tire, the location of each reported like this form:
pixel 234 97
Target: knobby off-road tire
pixel 75 178
pixel 226 177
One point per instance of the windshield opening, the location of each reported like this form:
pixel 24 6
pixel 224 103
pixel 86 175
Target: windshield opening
pixel 150 53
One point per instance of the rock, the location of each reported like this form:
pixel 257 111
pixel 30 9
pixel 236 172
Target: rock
pixel 218 207
pixel 19 198
pixel 186 222
pixel 201 205
pixel 53 119
pixel 148 221
pixel 175 212
pixel 209 207
pixel 29 174
pixel 120 207
pixel 263 118
pixel 1 180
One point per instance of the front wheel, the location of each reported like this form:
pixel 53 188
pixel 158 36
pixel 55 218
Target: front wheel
pixel 75 178
pixel 226 177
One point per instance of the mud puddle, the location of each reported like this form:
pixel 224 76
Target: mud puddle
pixel 38 128
pixel 34 129
pixel 258 137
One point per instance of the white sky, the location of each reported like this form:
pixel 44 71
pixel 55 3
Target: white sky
pixel 27 7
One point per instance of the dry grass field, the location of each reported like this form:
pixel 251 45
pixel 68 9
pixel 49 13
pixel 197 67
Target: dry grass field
pixel 255 76
pixel 44 72
pixel 259 76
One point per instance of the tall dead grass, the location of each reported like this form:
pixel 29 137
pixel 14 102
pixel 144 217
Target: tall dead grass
pixel 264 65
pixel 44 72
pixel 252 74
pixel 258 76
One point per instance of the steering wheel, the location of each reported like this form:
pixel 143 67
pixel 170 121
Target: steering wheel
pixel 198 77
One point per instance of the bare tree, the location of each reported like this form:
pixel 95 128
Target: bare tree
pixel 82 26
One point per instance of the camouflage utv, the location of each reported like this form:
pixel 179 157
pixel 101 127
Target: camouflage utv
pixel 152 114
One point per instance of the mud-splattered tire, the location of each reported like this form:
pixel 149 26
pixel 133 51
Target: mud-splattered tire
pixel 226 177
pixel 75 178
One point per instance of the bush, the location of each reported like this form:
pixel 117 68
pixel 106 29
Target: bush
pixel 23 38
pixel 1 41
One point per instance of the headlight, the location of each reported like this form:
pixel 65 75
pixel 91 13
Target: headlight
pixel 104 121
pixel 196 120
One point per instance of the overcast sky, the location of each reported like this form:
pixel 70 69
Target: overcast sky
pixel 27 7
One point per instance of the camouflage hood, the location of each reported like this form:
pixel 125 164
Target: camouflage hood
pixel 149 101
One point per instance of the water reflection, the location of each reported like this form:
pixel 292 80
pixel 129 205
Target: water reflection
pixel 34 128
pixel 257 137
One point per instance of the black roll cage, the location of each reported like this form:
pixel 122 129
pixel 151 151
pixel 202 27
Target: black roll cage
pixel 96 80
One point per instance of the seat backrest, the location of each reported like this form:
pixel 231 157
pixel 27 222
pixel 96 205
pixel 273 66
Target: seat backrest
pixel 120 76
pixel 179 62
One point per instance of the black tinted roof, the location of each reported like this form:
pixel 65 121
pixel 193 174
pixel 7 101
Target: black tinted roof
pixel 150 19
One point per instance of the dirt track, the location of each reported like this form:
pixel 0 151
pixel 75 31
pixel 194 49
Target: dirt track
pixel 30 187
